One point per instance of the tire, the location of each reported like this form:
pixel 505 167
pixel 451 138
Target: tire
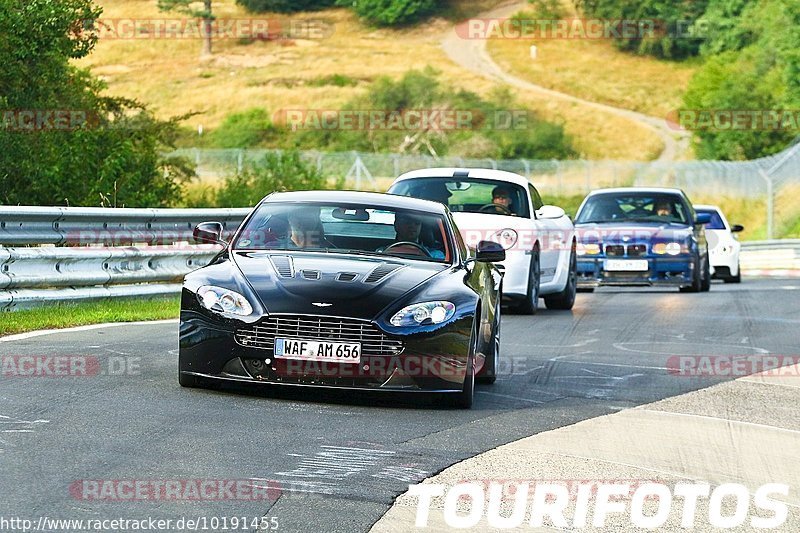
pixel 565 299
pixel 489 371
pixel 187 380
pixel 530 305
pixel 466 397
pixel 696 279
pixel 737 278
pixel 705 282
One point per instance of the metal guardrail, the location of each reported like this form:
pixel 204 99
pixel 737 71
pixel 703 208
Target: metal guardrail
pixel 776 257
pixel 83 226
pixel 50 254
pixel 92 253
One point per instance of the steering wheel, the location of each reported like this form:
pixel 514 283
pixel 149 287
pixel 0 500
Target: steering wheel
pixel 413 245
pixel 496 207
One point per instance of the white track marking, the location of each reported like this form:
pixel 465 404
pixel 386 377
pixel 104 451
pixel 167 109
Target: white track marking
pixel 31 334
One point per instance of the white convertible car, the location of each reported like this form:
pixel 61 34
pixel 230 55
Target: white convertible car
pixel 504 207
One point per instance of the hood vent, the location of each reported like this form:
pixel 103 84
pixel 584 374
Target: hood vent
pixel 381 271
pixel 283 265
pixel 311 274
pixel 346 276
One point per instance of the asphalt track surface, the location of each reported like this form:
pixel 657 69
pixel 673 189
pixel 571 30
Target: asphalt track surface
pixel 339 460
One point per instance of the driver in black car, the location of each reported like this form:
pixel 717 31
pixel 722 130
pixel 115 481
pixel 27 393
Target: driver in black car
pixel 408 228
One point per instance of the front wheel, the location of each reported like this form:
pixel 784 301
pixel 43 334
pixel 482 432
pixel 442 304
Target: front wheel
pixel 696 279
pixel 565 299
pixel 489 370
pixel 530 305
pixel 705 282
pixel 737 278
pixel 465 398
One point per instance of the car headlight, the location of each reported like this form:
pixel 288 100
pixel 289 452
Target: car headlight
pixel 223 300
pixel 506 238
pixel 670 248
pixel 588 249
pixel 423 313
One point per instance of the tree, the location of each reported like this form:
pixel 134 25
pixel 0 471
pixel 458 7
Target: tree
pixel 111 156
pixel 205 14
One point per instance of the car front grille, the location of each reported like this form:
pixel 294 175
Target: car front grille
pixel 637 250
pixel 627 250
pixel 320 328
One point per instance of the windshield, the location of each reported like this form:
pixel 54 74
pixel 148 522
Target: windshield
pixel 716 219
pixel 469 195
pixel 633 208
pixel 345 228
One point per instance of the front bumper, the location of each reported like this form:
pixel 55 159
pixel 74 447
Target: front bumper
pixel 675 271
pixel 435 362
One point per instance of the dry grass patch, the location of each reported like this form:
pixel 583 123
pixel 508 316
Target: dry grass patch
pixel 169 76
pixel 596 70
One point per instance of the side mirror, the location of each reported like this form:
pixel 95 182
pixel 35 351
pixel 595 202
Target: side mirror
pixel 550 211
pixel 490 252
pixel 208 233
pixel 702 218
pixel 736 228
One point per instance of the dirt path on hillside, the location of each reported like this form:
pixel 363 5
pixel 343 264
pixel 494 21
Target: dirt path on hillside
pixel 472 55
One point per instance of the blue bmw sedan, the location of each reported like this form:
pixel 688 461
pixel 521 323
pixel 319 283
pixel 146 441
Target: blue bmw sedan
pixel 641 236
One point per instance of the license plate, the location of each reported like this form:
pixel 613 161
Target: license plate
pixel 310 350
pixel 626 265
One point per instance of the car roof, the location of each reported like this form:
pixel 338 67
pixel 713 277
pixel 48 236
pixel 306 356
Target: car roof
pixel 478 173
pixel 631 190
pixel 368 199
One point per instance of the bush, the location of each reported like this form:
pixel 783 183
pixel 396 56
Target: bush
pixel 243 130
pixel 392 12
pixel 284 6
pixel 274 172
pixel 486 135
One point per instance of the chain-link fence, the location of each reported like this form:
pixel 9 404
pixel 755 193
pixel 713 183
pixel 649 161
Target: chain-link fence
pixel 760 192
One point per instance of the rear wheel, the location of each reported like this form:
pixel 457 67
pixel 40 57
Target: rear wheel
pixel 566 298
pixel 530 304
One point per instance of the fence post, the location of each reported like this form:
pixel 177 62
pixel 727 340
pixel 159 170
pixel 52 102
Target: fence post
pixel 770 204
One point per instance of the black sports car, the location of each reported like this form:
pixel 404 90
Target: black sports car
pixel 344 289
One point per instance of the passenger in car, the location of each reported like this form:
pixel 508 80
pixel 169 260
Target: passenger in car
pixel 408 228
pixel 305 230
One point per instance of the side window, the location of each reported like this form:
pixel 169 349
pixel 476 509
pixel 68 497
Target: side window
pixel 462 247
pixel 535 198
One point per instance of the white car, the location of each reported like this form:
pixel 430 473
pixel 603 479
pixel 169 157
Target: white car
pixel 539 239
pixel 723 246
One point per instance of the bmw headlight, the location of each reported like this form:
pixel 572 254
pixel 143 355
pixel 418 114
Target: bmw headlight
pixel 423 313
pixel 588 249
pixel 223 300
